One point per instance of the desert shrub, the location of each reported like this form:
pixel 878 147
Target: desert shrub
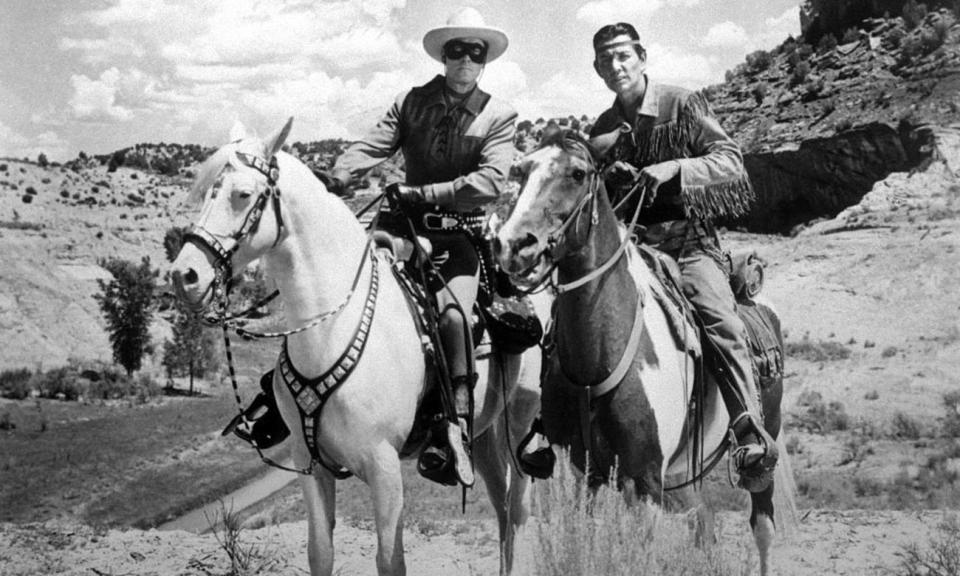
pixel 26 199
pixel 759 61
pixel 951 423
pixel 910 49
pixel 889 352
pixel 827 43
pixel 800 73
pixel 15 383
pixel 913 14
pixel 805 51
pixel 819 416
pixel 895 37
pixel 819 351
pixel 760 91
pixel 227 528
pixel 595 532
pixel 906 426
pixel 31 191
pixel 728 76
pixel 931 39
pixel 939 557
pixel 850 35
pixel 61 383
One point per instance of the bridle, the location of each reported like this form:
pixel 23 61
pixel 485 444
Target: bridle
pixel 558 236
pixel 215 311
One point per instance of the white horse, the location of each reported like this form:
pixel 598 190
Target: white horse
pixel 261 203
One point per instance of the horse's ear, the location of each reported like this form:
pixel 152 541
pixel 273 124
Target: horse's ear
pixel 602 144
pixel 551 135
pixel 238 131
pixel 275 142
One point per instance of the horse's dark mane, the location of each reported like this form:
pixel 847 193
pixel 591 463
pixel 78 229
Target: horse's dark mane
pixel 571 141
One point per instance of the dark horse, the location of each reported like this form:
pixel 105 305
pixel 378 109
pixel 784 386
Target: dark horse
pixel 621 380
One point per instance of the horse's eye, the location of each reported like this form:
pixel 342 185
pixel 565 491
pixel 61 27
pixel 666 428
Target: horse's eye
pixel 578 175
pixel 244 194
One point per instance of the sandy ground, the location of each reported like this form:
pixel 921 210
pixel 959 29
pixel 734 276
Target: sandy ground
pixel 838 543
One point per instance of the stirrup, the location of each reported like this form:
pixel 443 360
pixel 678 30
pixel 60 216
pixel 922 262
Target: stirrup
pixel 260 424
pixel 539 463
pixel 754 463
pixel 458 442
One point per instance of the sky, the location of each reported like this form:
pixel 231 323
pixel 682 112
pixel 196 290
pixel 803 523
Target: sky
pixel 100 75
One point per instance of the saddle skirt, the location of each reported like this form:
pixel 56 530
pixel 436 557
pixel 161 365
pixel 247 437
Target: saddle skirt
pixel 666 291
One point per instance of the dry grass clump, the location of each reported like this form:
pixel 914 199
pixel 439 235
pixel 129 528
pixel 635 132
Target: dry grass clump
pixel 245 559
pixel 941 557
pixel 580 531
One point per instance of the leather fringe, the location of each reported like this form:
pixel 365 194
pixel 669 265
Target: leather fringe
pixel 667 140
pixel 727 199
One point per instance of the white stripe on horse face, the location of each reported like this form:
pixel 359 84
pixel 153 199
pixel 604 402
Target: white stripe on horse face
pixel 541 207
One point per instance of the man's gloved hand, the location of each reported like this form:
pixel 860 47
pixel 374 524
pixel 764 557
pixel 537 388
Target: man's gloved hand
pixel 620 174
pixel 333 184
pixel 405 193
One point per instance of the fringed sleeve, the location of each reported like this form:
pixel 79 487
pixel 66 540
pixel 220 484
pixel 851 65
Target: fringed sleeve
pixel 713 181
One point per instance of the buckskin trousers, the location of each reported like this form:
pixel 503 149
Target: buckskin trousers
pixel 707 286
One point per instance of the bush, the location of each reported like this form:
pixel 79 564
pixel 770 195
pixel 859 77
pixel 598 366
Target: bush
pixel 759 61
pixel 820 351
pixel 906 427
pixel 827 43
pixel 800 73
pixel 951 423
pixel 850 35
pixel 60 384
pixel 760 91
pixel 913 14
pixel 941 557
pixel 820 416
pixel 15 384
pixel 584 531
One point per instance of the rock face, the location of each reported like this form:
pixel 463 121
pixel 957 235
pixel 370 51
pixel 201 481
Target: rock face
pixel 821 17
pixel 820 126
pixel 821 176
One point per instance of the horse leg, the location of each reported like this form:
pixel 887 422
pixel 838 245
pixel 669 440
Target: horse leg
pixel 762 525
pixel 319 494
pixel 386 486
pixel 699 514
pixel 506 488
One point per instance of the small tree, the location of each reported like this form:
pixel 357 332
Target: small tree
pixel 760 91
pixel 913 14
pixel 42 160
pixel 127 302
pixel 192 352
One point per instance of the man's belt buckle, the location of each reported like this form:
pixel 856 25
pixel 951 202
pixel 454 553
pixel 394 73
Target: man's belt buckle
pixel 439 222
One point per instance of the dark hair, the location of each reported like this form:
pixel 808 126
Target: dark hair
pixel 611 31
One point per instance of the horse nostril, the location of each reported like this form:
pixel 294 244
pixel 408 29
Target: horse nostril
pixel 528 240
pixel 191 277
pixel 497 246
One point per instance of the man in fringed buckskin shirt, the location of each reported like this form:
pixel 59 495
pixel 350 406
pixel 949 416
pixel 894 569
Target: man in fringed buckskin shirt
pixel 692 172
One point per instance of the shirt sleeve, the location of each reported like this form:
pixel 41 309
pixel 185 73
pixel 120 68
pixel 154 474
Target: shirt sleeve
pixel 713 181
pixel 379 144
pixel 484 184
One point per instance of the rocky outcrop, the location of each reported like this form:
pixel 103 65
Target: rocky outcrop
pixel 821 17
pixel 821 177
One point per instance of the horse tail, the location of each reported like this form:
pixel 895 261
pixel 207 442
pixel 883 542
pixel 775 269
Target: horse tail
pixel 786 514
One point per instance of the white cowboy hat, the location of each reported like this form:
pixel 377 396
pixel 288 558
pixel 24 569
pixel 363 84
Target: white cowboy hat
pixel 465 23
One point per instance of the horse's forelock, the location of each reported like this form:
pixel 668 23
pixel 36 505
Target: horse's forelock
pixel 208 172
pixel 567 140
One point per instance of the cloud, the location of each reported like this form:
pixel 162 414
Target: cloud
pixel 359 48
pixel 602 12
pixel 776 30
pixel 15 145
pixel 725 35
pixel 689 70
pixel 564 94
pixel 102 50
pixel 96 99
